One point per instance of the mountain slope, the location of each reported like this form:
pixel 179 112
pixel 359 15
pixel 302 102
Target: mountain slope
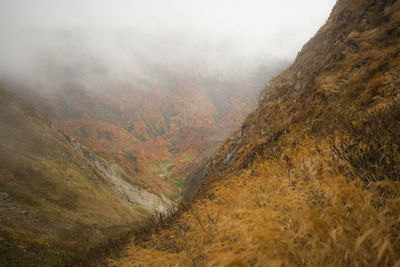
pixel 345 75
pixel 163 123
pixel 311 178
pixel 55 194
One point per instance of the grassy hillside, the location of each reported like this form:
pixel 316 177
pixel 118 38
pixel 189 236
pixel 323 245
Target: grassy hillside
pixel 311 178
pixel 56 199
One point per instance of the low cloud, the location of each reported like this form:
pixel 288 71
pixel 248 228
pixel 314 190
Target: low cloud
pixel 49 42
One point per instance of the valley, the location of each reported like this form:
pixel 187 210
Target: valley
pixel 191 144
pixel 311 178
pixel 116 160
pixel 155 131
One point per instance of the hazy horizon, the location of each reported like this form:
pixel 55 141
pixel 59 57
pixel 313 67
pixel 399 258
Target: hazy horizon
pixel 125 40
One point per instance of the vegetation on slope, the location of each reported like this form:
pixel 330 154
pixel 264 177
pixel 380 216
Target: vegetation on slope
pixel 177 114
pixel 311 178
pixel 55 201
pixel 274 214
pixel 337 83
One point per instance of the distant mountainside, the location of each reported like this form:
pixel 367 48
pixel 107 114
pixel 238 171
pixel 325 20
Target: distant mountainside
pixel 311 178
pixel 156 129
pixel 56 197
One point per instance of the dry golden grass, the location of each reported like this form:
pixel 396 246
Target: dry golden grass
pixel 300 205
pixel 300 211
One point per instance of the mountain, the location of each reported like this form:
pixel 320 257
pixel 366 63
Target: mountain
pixel 156 128
pixel 57 199
pixel 340 86
pixel 311 177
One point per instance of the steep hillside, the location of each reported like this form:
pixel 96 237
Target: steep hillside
pixel 343 85
pixel 56 198
pixel 311 177
pixel 156 129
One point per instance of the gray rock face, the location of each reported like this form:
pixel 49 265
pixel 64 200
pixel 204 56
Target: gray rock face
pixel 131 195
pixel 264 93
pixel 298 86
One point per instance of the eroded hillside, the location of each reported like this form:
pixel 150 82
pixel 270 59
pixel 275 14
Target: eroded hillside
pixel 57 199
pixel 311 178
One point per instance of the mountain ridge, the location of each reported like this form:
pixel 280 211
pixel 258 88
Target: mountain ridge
pixel 311 177
pixel 294 85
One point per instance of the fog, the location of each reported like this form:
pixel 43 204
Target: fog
pixel 49 42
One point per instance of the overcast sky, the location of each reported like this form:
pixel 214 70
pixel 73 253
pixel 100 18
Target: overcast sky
pixel 110 31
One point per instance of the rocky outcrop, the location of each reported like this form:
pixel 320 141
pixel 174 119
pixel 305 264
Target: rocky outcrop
pixel 131 195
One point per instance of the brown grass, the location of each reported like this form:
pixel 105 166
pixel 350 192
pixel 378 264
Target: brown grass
pixel 323 202
pixel 374 85
pixel 305 203
pixel 304 212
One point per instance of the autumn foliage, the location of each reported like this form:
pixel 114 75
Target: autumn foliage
pixel 158 132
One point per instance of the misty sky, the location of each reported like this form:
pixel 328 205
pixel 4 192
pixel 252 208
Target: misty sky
pixel 116 35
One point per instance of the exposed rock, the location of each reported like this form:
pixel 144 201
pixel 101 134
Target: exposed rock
pixel 131 195
pixel 264 93
pixel 298 86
